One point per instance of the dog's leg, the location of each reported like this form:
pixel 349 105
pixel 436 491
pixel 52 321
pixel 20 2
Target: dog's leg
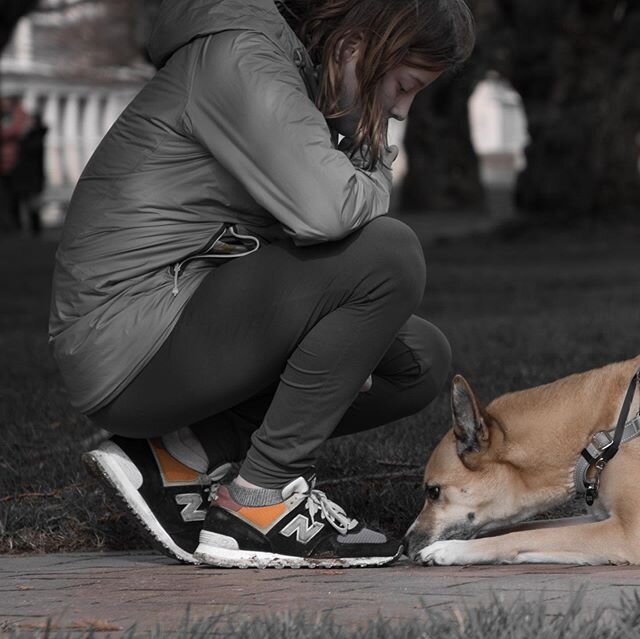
pixel 600 542
pixel 541 523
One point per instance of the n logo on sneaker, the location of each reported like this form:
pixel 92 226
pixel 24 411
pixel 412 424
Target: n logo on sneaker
pixel 300 526
pixel 191 510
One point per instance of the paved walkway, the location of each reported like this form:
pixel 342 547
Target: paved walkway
pixel 113 591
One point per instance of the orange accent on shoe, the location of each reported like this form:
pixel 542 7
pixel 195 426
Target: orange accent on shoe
pixel 172 471
pixel 262 515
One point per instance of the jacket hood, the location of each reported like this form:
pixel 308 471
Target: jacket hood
pixel 180 21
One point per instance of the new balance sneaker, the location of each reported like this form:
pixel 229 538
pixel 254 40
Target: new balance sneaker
pixel 305 530
pixel 163 482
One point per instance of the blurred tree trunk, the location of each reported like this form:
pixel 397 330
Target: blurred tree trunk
pixel 576 66
pixel 443 170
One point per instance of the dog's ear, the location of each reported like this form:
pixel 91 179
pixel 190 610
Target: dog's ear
pixel 469 424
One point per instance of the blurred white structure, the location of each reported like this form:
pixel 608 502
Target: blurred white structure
pixel 499 136
pixel 498 129
pixel 77 107
pixel 496 117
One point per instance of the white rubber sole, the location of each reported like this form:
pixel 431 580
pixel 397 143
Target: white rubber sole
pixel 211 554
pixel 109 464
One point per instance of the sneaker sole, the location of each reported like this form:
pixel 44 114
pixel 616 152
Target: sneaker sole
pixel 103 465
pixel 216 556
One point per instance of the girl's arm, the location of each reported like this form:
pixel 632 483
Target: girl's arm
pixel 248 105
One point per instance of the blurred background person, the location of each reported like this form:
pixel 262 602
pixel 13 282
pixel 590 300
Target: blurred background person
pixel 27 178
pixel 15 122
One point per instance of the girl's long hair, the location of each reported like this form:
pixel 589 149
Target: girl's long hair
pixel 436 35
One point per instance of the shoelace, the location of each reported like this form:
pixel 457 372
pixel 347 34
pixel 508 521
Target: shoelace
pixel 214 479
pixel 318 502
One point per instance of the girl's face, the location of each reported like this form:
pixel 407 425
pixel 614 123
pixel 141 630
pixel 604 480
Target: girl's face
pixel 396 91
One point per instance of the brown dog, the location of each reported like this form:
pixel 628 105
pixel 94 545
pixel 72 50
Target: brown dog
pixel 517 457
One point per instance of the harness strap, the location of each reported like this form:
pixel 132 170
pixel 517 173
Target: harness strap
pixel 609 452
pixel 605 444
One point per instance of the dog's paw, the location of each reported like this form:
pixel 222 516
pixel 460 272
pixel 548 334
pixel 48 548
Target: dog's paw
pixel 443 553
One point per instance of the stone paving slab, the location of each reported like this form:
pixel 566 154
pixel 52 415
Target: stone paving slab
pixel 146 589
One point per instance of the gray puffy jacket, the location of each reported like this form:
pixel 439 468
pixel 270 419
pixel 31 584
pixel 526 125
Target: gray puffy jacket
pixel 224 140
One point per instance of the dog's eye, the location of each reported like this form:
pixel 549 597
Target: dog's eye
pixel 432 493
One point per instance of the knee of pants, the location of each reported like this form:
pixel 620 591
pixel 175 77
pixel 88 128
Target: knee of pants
pixel 440 358
pixel 427 363
pixel 391 247
pixel 431 350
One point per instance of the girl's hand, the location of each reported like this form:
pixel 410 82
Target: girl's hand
pixel 388 155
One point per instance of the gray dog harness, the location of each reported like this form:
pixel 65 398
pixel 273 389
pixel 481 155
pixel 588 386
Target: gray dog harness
pixel 604 445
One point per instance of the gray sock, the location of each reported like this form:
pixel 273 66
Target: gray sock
pixel 254 496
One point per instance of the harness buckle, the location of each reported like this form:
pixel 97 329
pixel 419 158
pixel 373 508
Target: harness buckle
pixel 591 493
pixel 600 442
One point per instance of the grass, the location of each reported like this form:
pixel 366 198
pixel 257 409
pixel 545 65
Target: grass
pixel 521 618
pixel 519 311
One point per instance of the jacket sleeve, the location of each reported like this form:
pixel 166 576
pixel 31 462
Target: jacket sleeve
pixel 249 107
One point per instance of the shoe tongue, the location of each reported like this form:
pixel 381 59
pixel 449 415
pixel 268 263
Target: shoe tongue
pixel 298 485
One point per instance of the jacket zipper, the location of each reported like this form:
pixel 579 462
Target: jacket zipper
pixel 211 242
pixel 202 253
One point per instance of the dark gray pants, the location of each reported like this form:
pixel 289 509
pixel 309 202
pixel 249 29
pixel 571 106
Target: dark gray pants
pixel 268 358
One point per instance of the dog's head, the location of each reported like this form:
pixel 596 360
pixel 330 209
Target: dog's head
pixel 474 480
